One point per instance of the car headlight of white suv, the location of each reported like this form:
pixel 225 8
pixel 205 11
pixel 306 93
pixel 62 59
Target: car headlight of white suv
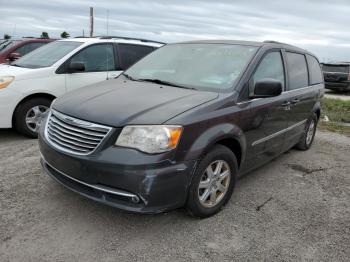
pixel 5 81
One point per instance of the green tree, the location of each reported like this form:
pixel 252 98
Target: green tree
pixel 44 35
pixel 65 35
pixel 7 36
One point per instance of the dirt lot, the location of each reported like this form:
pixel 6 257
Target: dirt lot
pixel 297 208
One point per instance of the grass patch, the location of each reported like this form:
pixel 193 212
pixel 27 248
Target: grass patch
pixel 337 111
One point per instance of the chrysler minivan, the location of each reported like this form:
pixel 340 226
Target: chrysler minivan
pixel 178 127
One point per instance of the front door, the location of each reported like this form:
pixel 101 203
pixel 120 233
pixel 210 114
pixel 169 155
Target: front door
pixel 268 119
pixel 100 65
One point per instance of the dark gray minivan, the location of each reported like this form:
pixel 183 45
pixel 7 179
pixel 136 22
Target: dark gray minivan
pixel 178 127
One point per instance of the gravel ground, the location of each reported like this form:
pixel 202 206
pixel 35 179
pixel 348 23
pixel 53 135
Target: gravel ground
pixel 296 208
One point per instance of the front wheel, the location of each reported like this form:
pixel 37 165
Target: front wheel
pixel 213 182
pixel 29 115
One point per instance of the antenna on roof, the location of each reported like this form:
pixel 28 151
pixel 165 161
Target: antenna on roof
pixel 107 21
pixel 91 21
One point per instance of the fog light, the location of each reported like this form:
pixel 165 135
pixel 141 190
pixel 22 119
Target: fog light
pixel 135 199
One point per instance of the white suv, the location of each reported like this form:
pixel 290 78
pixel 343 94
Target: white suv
pixel 28 86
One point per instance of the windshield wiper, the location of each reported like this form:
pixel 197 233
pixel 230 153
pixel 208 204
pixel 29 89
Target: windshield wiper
pixel 162 82
pixel 129 77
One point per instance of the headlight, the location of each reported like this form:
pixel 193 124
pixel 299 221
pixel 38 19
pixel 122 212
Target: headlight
pixel 5 81
pixel 150 139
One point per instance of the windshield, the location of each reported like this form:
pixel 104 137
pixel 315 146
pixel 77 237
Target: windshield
pixel 7 44
pixel 47 55
pixel 211 67
pixel 335 68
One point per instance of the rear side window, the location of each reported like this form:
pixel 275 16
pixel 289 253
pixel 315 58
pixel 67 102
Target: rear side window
pixel 130 54
pixel 297 71
pixel 314 70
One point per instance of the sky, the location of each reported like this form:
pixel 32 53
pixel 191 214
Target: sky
pixel 319 26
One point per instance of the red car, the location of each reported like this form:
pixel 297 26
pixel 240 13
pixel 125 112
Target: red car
pixel 11 50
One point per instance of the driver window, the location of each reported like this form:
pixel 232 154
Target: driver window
pixel 271 66
pixel 97 58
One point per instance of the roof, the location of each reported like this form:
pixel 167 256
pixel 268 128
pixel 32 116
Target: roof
pixel 337 63
pixel 267 44
pixel 116 39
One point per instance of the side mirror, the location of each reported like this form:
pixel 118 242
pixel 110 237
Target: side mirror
pixel 267 88
pixel 14 56
pixel 76 67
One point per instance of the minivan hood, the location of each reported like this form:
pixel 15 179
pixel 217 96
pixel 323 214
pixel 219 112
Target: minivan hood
pixel 11 70
pixel 21 73
pixel 120 102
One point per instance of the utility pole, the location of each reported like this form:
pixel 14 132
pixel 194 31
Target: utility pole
pixel 91 21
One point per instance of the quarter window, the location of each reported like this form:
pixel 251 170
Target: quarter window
pixel 297 71
pixel 130 54
pixel 97 58
pixel 316 76
pixel 271 67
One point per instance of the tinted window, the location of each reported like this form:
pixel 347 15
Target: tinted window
pixel 47 55
pixel 335 68
pixel 297 71
pixel 7 45
pixel 130 54
pixel 97 58
pixel 25 49
pixel 270 67
pixel 316 76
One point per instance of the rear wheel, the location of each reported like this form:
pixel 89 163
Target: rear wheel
pixel 213 182
pixel 309 134
pixel 29 115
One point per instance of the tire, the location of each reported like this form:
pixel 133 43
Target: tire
pixel 306 141
pixel 205 208
pixel 28 110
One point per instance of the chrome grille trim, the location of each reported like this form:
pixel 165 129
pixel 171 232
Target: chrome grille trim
pixel 73 135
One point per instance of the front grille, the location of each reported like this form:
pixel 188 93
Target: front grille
pixel 74 135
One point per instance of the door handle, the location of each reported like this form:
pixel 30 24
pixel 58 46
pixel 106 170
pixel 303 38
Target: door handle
pixel 286 105
pixel 295 101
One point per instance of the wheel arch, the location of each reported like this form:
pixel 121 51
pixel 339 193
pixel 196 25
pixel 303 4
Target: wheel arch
pixel 226 134
pixel 31 96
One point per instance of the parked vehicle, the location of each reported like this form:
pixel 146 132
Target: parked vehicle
pixel 337 76
pixel 11 50
pixel 28 85
pixel 178 127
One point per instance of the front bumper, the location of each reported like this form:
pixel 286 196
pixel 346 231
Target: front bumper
pixel 8 101
pixel 144 188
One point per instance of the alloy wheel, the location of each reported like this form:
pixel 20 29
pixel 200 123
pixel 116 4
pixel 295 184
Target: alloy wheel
pixel 310 132
pixel 35 116
pixel 214 183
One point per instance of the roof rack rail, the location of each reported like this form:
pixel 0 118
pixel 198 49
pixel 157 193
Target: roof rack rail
pixel 272 42
pixel 130 38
